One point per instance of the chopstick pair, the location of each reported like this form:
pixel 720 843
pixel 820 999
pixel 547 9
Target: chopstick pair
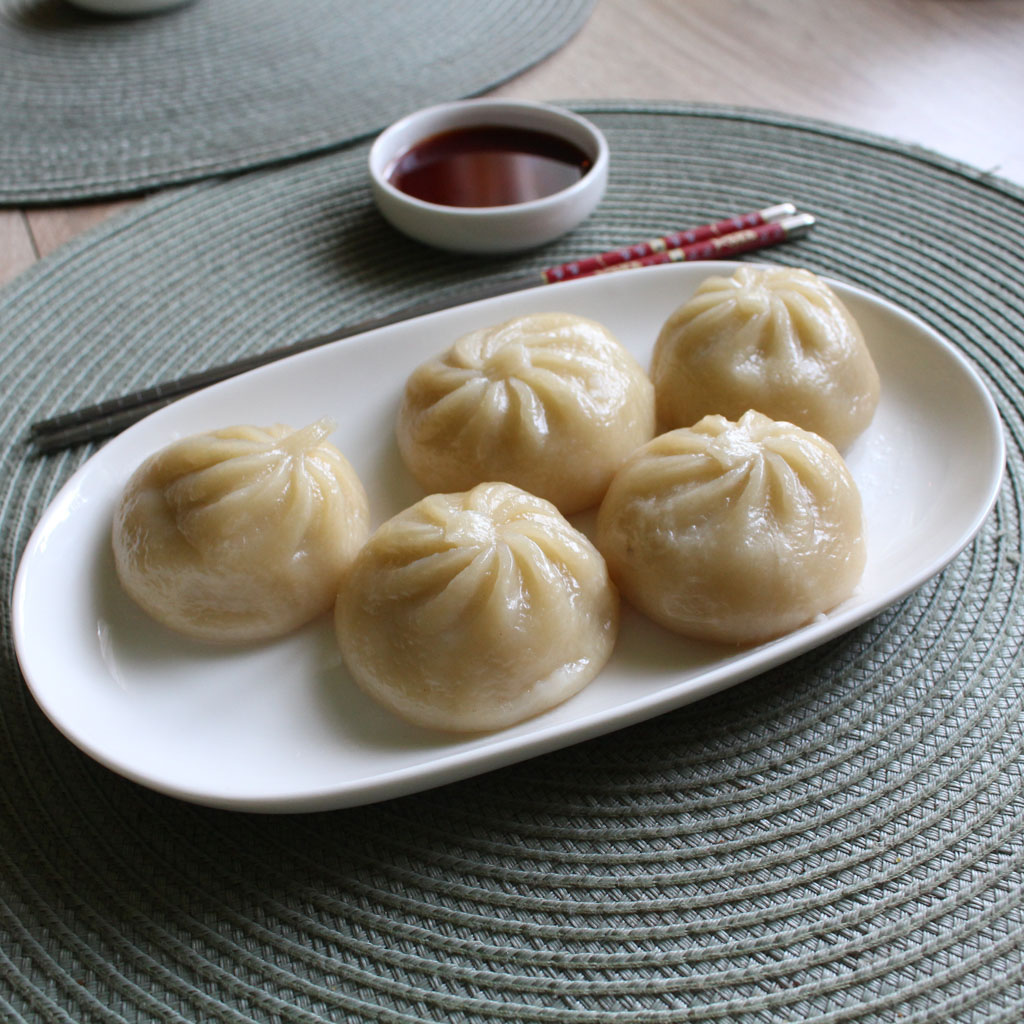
pixel 716 241
pixel 720 240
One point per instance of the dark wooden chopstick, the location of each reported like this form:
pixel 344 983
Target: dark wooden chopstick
pixel 112 415
pixel 711 241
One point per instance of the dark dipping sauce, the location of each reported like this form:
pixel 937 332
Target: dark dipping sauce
pixel 488 166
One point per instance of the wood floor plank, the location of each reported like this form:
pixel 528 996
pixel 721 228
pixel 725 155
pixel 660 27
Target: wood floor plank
pixel 17 252
pixel 51 227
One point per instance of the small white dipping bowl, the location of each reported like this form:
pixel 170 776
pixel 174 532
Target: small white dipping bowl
pixel 489 229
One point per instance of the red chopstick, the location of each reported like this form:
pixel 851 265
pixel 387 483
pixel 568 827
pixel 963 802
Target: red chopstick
pixel 630 254
pixel 725 246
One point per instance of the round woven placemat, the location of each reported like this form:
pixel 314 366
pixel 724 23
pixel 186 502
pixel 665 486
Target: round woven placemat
pixel 97 105
pixel 840 839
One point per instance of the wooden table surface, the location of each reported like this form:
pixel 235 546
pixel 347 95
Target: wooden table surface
pixel 947 74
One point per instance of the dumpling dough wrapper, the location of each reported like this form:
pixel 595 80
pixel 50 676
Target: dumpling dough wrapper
pixel 476 610
pixel 774 339
pixel 551 402
pixel 734 532
pixel 240 534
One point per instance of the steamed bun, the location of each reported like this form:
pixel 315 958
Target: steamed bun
pixel 552 403
pixel 240 534
pixel 474 611
pixel 734 532
pixel 773 339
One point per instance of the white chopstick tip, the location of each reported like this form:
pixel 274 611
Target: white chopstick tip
pixel 797 225
pixel 778 212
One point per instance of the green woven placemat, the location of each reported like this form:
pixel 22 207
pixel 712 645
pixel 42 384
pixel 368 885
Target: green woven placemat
pixel 841 839
pixel 95 105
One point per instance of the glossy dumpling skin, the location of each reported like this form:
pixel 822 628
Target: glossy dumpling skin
pixel 773 339
pixel 734 532
pixel 552 403
pixel 473 611
pixel 240 534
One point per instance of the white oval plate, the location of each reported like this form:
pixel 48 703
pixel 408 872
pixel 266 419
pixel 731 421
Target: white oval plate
pixel 281 727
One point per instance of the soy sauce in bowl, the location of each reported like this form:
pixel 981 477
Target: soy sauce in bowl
pixel 488 165
pixel 489 176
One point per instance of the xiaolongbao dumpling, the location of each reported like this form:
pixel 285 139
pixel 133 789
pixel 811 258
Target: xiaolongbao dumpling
pixel 734 532
pixel 773 339
pixel 552 403
pixel 474 611
pixel 242 533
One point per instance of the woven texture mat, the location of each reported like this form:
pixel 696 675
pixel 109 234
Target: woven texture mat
pixel 96 105
pixel 840 839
